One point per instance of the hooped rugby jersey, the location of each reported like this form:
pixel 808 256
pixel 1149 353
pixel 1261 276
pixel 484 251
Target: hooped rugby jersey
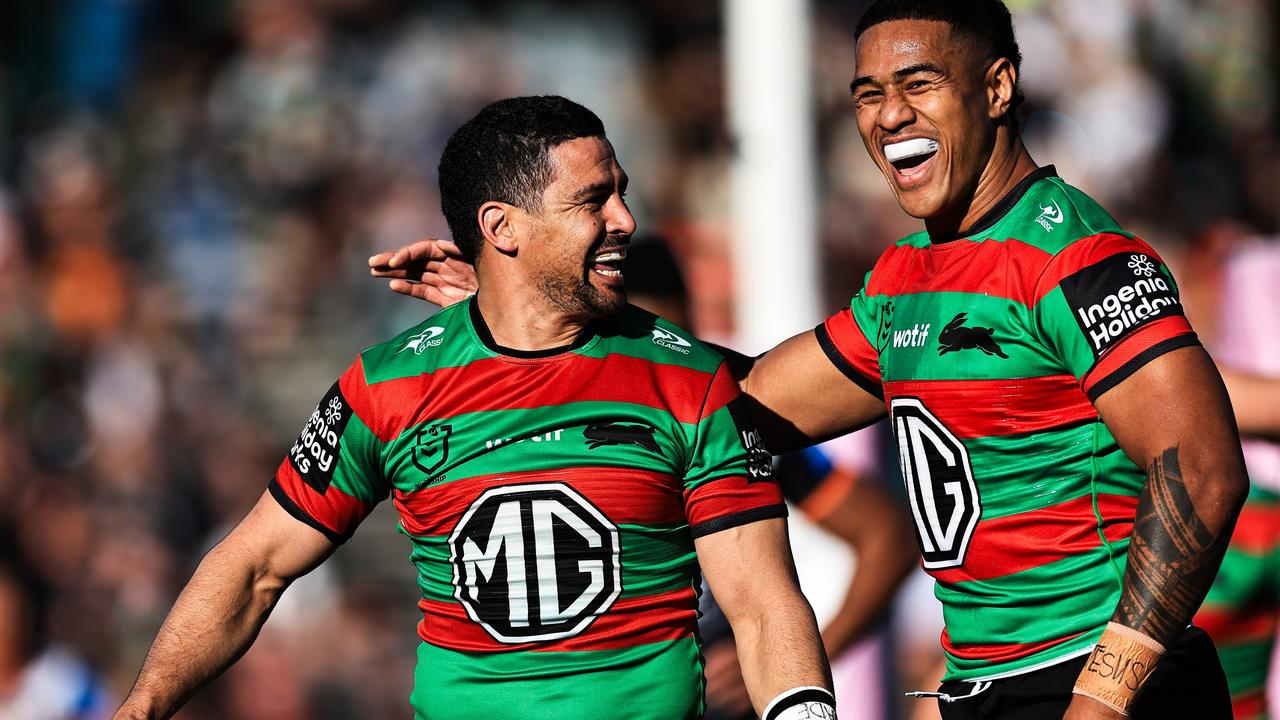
pixel 988 350
pixel 551 500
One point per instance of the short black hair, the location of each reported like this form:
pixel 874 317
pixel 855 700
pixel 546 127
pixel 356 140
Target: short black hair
pixel 985 22
pixel 504 154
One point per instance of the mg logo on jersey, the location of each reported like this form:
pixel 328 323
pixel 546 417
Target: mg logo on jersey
pixel 939 482
pixel 535 562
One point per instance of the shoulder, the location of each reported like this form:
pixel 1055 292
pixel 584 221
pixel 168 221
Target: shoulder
pixel 420 348
pixel 1056 215
pixel 641 334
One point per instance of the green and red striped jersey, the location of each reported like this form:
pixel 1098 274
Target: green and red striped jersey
pixel 988 350
pixel 551 499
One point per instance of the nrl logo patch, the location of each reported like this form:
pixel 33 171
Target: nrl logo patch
pixel 432 451
pixel 423 340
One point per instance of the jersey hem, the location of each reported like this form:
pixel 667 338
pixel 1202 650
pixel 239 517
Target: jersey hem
pixel 745 517
pixel 1030 669
pixel 293 509
pixel 843 365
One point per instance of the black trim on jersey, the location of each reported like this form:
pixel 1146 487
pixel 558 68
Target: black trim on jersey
pixel 486 337
pixel 1142 358
pixel 745 517
pixel 292 508
pixel 1002 208
pixel 842 363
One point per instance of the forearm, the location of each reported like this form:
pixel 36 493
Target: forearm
pixel 213 622
pixel 780 650
pixel 1182 526
pixel 881 568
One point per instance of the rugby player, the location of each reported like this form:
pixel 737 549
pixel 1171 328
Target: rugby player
pixel 556 457
pixel 1068 448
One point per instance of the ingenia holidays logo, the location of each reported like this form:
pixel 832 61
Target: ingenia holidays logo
pixel 1112 297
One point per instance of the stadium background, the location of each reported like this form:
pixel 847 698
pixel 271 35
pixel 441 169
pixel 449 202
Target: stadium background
pixel 188 193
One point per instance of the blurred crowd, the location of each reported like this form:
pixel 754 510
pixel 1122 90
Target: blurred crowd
pixel 188 193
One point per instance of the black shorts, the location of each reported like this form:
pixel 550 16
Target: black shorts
pixel 1188 683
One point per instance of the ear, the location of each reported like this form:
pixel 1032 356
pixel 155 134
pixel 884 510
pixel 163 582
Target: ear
pixel 1001 79
pixel 497 226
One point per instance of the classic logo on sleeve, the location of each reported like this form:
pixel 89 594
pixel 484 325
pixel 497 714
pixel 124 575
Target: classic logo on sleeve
pixel 671 341
pixel 315 454
pixel 1115 296
pixel 759 460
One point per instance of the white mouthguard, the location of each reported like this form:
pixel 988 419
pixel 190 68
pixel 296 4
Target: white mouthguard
pixel 909 149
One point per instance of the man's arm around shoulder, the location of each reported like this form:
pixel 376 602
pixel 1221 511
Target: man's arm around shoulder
pixel 222 608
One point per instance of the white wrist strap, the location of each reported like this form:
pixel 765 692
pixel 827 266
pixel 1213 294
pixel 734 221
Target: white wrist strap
pixel 808 702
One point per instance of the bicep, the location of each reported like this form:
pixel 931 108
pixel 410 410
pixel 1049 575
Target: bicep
pixel 276 543
pixel 748 566
pixel 800 397
pixel 1175 401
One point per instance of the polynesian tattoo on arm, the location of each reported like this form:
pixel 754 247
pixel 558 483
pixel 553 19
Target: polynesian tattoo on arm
pixel 1173 557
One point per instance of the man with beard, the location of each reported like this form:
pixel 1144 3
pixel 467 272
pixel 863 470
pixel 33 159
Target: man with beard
pixel 562 464
pixel 1067 446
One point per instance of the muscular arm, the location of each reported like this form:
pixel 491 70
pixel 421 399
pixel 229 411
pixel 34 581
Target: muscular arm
pixel 799 397
pixel 877 529
pixel 1173 417
pixel 751 573
pixel 219 613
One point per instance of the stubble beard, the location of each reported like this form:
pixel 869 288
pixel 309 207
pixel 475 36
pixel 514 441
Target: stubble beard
pixel 580 298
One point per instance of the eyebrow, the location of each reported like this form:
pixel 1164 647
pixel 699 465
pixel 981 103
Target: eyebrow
pixel 898 75
pixel 604 186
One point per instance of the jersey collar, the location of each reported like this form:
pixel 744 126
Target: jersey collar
pixel 1002 208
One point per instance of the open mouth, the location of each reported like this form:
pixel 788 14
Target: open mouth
pixel 908 157
pixel 609 262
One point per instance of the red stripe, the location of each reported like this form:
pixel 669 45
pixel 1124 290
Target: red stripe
pixel 986 408
pixel 507 384
pixel 1135 344
pixel 1000 652
pixel 1250 706
pixel 1083 253
pixel 852 344
pixel 1006 269
pixel 1232 625
pixel 1007 545
pixel 624 495
pixel 334 509
pixel 630 622
pixel 1257 530
pixel 729 496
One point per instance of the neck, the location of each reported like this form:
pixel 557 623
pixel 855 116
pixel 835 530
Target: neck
pixel 1008 165
pixel 519 317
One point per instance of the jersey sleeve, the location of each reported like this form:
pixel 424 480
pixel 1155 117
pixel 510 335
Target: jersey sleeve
pixel 1107 305
pixel 729 478
pixel 332 478
pixel 845 338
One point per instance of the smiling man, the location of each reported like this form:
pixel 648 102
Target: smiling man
pixel 1067 447
pixel 562 464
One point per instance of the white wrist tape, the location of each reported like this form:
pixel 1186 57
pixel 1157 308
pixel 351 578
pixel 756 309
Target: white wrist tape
pixel 802 703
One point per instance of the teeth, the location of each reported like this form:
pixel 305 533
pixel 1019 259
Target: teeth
pixel 609 272
pixel 909 149
pixel 614 256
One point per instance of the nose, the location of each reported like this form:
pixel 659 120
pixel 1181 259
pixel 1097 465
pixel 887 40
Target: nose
pixel 895 112
pixel 618 219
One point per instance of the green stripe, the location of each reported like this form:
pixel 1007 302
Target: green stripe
pixel 1025 473
pixel 1246 664
pixel 1055 600
pixel 655 560
pixel 658 681
pixel 358 456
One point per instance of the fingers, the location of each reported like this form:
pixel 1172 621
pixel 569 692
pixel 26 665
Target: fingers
pixel 422 251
